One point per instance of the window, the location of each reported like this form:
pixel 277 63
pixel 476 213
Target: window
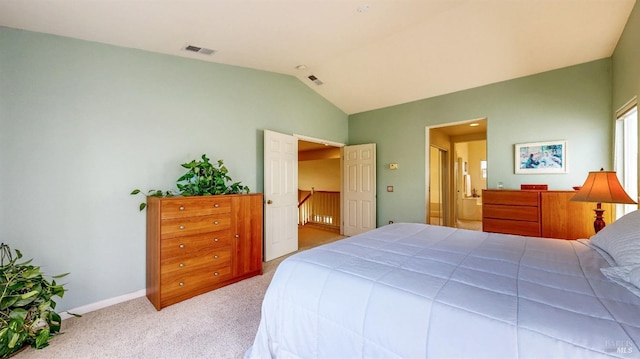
pixel 483 168
pixel 626 155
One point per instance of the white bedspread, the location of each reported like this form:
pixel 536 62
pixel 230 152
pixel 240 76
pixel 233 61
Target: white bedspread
pixel 418 291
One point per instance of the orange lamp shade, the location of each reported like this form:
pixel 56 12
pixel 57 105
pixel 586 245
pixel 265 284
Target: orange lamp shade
pixel 603 187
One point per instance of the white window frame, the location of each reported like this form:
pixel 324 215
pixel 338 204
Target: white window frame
pixel 626 153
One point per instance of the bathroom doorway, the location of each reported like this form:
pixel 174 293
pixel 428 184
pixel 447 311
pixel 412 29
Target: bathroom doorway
pixel 438 213
pixel 459 150
pixel 470 180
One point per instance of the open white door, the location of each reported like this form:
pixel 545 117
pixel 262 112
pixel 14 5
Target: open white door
pixel 359 188
pixel 280 194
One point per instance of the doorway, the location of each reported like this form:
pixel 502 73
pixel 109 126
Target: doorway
pixel 319 175
pixel 357 193
pixel 438 185
pixel 470 180
pixel 456 173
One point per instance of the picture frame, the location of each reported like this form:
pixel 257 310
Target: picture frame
pixel 541 157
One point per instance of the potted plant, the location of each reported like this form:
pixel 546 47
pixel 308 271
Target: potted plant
pixel 27 315
pixel 202 178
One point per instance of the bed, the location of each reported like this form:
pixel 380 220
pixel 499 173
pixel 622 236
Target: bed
pixel 418 291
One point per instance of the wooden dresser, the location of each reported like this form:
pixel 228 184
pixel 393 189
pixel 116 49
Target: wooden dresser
pixel 537 213
pixel 197 244
pixel 512 212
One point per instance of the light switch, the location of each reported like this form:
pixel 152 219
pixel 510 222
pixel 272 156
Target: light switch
pixel 393 166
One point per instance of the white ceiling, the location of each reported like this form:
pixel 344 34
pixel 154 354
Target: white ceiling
pixel 396 52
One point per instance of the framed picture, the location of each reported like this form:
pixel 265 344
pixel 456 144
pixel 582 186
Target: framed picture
pixel 541 157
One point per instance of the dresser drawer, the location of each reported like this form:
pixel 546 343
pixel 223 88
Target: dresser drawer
pixel 175 227
pixel 520 213
pixel 179 287
pixel 206 261
pixel 195 244
pixel 187 206
pixel 523 228
pixel 509 197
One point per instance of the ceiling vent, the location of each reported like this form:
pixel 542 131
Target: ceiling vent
pixel 199 50
pixel 315 80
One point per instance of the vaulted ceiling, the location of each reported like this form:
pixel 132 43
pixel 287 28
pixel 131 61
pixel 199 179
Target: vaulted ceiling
pixel 367 54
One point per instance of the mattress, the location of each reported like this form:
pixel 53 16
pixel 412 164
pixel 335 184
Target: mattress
pixel 419 291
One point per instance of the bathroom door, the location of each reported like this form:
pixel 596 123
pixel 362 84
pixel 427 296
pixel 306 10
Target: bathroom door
pixel 438 189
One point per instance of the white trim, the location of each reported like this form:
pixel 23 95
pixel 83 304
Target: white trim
pixel 318 140
pixel 102 304
pixel 449 124
pixel 627 107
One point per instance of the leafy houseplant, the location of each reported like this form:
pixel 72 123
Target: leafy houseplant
pixel 27 315
pixel 203 178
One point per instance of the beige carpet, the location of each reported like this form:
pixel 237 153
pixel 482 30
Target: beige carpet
pixel 218 324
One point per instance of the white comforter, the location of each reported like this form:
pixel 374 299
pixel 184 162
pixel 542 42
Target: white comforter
pixel 418 291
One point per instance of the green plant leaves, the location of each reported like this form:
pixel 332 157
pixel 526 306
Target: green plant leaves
pixel 27 315
pixel 207 179
pixel 203 178
pixel 152 193
pixel 18 314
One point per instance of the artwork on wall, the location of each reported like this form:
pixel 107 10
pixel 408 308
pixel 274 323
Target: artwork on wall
pixel 541 157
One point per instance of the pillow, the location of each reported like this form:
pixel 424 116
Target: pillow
pixel 605 255
pixel 627 276
pixel 634 276
pixel 621 239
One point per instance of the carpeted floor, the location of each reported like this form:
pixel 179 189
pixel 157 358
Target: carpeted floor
pixel 218 324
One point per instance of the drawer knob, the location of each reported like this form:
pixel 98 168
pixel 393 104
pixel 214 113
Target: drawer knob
pixel 181 208
pixel 216 222
pixel 181 245
pixel 215 256
pixel 181 265
pixel 216 239
pixel 215 274
pixel 181 284
pixel 181 227
pixel 216 205
pixel 237 236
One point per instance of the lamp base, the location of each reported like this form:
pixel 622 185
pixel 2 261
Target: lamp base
pixel 598 224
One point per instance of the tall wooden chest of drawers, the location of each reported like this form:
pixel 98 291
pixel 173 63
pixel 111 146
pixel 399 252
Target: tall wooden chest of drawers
pixel 197 244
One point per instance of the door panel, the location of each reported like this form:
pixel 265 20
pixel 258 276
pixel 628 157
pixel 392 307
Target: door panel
pixel 359 188
pixel 281 194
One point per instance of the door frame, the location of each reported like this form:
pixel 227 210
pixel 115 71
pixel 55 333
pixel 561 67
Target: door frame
pixel 332 144
pixel 451 198
pixel 318 140
pixel 328 143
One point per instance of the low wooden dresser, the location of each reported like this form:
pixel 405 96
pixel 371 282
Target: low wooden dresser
pixel 512 212
pixel 197 244
pixel 539 213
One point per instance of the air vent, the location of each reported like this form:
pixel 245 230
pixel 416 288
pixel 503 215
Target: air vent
pixel 315 80
pixel 199 50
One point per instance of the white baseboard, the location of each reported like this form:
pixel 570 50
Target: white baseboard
pixel 102 304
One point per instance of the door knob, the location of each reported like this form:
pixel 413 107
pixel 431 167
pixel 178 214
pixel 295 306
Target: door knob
pixel 269 201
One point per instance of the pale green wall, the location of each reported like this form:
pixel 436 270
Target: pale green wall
pixel 572 104
pixel 626 65
pixel 82 124
pixel 626 61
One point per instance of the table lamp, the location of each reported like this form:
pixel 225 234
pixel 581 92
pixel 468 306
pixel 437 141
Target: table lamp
pixel 602 187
